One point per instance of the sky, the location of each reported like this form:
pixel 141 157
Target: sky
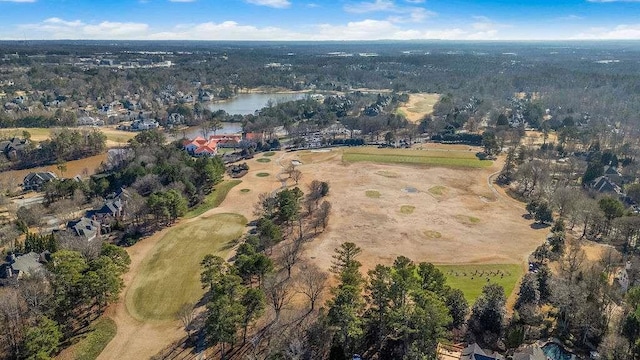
pixel 278 20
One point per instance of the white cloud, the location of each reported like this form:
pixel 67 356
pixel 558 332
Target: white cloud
pixel 401 13
pixel 278 4
pixel 365 6
pixel 570 17
pixel 620 32
pixel 368 29
pixel 56 28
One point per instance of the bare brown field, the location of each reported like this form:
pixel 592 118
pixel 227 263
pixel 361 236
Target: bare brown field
pixel 418 106
pixel 83 167
pixel 456 219
pixel 115 138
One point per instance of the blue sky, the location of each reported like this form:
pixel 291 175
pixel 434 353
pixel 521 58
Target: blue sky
pixel 320 19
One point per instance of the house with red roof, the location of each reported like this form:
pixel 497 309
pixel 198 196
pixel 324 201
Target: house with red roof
pixel 201 146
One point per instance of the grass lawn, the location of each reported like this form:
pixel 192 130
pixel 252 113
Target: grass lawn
pixel 102 331
pixel 245 190
pixel 269 153
pixel 263 160
pixel 451 158
pixel 387 174
pixel 374 194
pixel 170 275
pixel 470 281
pixel 262 174
pixel 214 199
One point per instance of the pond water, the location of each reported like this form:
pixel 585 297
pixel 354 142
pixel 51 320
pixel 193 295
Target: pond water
pixel 556 352
pixel 245 104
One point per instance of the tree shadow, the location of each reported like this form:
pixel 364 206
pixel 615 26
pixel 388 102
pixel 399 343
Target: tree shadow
pixel 538 226
pixel 527 216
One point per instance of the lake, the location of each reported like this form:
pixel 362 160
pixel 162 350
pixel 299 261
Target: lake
pixel 245 104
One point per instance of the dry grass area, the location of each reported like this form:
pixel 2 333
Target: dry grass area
pixel 418 106
pixel 115 137
pixel 83 167
pixel 455 218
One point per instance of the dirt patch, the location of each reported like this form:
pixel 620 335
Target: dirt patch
pixel 418 106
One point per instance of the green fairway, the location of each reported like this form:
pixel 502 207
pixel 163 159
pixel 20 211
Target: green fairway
pixel 472 278
pixel 269 153
pixel 262 174
pixel 451 158
pixel 263 160
pixel 101 332
pixel 214 199
pixel 170 275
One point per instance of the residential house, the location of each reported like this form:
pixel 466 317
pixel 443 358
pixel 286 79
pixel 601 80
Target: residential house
pixel 226 141
pixel 613 174
pixel 201 146
pixel 604 185
pixel 144 124
pixel 87 228
pixel 475 352
pixel 89 121
pixel 11 148
pixel 22 265
pixel 530 352
pixel 36 180
pixel 175 119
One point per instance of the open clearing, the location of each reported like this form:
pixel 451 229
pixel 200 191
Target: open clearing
pixel 450 158
pixel 115 137
pixel 472 278
pixel 418 106
pixel 88 166
pixel 447 215
pixel 170 276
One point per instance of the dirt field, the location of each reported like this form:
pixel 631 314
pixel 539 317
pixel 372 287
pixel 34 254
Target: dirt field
pixel 460 221
pixel 115 137
pixel 455 219
pixel 418 106
pixel 83 167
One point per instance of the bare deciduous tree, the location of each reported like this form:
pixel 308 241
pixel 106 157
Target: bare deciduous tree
pixel 278 291
pixel 311 283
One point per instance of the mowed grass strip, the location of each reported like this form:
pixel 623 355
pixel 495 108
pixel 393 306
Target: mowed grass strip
pixel 170 275
pixel 472 278
pixel 418 157
pixel 214 199
pixel 100 334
